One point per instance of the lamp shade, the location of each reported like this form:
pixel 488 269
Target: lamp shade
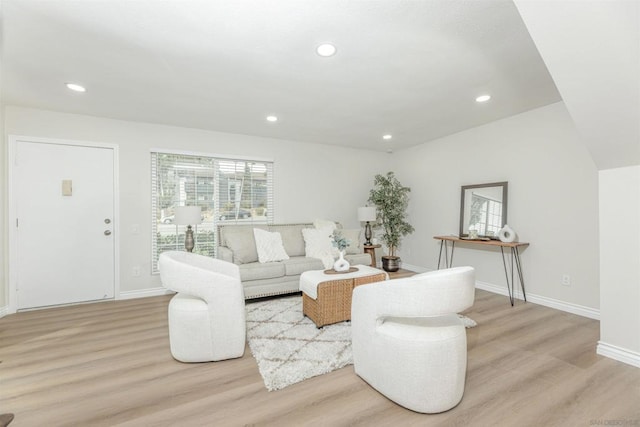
pixel 188 215
pixel 367 213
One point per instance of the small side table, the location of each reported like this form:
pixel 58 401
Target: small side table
pixel 371 250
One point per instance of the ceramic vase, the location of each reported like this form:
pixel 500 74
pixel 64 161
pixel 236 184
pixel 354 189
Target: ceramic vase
pixel 507 235
pixel 341 264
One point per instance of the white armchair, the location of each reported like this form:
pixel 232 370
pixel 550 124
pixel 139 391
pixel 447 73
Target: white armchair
pixel 207 315
pixel 408 341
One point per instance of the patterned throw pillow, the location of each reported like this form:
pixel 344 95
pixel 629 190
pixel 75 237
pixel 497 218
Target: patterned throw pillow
pixel 269 246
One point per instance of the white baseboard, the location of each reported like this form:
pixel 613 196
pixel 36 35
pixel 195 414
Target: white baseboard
pixel 143 293
pixel 580 310
pixel 618 353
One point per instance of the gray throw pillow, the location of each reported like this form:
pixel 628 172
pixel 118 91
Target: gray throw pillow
pixel 243 245
pixel 291 238
pixel 353 236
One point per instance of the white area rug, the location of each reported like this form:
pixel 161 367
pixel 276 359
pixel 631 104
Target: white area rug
pixel 289 348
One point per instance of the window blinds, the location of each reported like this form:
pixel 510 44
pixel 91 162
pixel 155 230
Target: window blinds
pixel 226 190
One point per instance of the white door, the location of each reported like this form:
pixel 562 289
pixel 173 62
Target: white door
pixel 64 205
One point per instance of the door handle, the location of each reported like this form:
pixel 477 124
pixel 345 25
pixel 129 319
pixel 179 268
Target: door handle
pixel 107 232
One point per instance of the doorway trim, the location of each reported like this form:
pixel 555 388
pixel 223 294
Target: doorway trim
pixel 11 221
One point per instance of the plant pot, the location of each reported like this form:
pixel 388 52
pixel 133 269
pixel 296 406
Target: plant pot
pixel 390 263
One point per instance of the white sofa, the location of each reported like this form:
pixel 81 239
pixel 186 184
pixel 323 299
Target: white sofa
pixel 236 244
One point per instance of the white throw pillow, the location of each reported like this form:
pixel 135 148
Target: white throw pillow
pixel 269 246
pixel 317 244
pixel 353 236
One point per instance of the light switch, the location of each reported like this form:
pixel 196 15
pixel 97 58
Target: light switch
pixel 66 187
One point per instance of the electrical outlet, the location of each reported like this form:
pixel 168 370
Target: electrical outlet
pixel 566 280
pixel 136 271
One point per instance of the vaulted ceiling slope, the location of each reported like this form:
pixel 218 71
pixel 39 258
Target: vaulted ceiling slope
pixel 592 49
pixel 408 68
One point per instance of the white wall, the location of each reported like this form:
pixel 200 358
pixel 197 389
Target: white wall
pixel 311 180
pixel 596 72
pixel 553 202
pixel 591 50
pixel 538 152
pixel 620 264
pixel 4 263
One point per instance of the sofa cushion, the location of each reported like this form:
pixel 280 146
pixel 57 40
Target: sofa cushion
pixel 243 245
pixel 324 223
pixel 269 246
pixel 353 236
pixel 355 259
pixel 224 254
pixel 292 239
pixel 298 265
pixel 256 271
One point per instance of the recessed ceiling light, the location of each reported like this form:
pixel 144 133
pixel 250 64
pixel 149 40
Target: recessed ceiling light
pixel 326 49
pixel 75 87
pixel 272 119
pixel 483 98
pixel 387 136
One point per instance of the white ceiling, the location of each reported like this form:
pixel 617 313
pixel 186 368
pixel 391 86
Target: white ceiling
pixel 409 68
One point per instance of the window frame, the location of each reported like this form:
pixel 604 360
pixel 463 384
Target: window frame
pixel 216 171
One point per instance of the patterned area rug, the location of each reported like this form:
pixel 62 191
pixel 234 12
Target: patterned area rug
pixel 289 348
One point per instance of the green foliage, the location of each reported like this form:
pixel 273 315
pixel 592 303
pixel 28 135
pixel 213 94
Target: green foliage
pixel 391 200
pixel 339 241
pixel 204 243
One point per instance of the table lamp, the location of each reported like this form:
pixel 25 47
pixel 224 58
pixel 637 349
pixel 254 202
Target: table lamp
pixel 367 213
pixel 188 215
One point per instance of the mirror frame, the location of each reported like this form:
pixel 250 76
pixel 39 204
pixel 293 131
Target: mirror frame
pixel 505 187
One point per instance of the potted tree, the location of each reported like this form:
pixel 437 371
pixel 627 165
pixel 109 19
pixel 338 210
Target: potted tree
pixel 391 200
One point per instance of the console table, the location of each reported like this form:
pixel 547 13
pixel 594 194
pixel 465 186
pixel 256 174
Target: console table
pixel 448 244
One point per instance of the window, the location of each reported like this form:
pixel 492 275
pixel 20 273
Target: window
pixel 226 190
pixel 486 215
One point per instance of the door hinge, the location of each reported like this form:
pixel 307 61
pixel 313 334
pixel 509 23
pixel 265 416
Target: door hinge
pixel 16 222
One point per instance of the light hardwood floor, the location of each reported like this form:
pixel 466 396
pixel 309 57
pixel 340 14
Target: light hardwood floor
pixel 109 364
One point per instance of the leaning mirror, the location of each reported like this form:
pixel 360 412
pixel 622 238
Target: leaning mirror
pixel 483 210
